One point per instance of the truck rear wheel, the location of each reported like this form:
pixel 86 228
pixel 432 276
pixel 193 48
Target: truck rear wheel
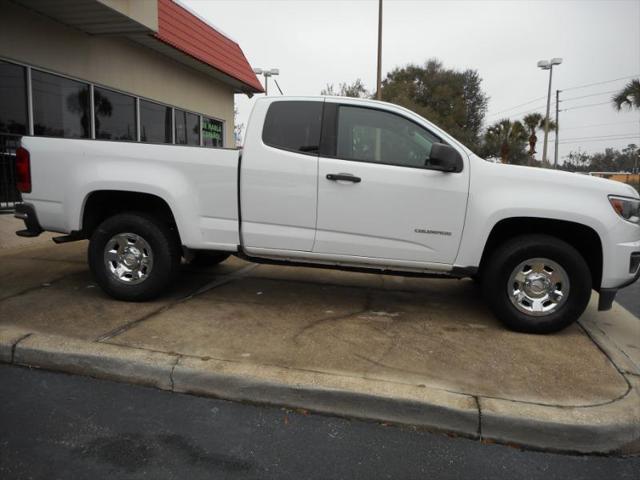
pixel 133 256
pixel 537 284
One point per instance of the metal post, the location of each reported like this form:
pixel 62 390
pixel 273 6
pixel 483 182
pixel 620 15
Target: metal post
pixel 30 101
pixel 173 125
pixel 555 155
pixel 266 85
pixel 138 122
pixel 92 112
pixel 379 73
pixel 546 118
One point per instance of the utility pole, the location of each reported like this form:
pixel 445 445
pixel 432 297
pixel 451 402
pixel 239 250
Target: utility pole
pixel 555 155
pixel 379 76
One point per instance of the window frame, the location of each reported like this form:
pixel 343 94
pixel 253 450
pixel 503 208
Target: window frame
pixel 171 122
pixel 136 113
pixel 216 119
pixel 138 99
pixel 317 153
pixel 200 116
pixel 27 100
pixel 330 125
pixel 66 77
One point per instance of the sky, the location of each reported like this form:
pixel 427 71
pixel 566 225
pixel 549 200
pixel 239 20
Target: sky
pixel 316 42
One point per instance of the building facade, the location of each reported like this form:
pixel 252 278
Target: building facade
pixel 127 70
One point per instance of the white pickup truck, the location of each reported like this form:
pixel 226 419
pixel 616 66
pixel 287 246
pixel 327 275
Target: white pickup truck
pixel 341 183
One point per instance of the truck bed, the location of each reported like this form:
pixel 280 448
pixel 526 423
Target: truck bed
pixel 198 184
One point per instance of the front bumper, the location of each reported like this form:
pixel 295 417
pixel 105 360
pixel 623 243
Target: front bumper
pixel 26 212
pixel 608 295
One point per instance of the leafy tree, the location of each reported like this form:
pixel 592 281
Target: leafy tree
pixel 452 99
pixel 506 139
pixel 610 160
pixel 238 128
pixel 355 90
pixel 629 96
pixel 534 122
pixel 576 161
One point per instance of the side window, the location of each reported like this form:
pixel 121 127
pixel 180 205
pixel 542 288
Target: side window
pixel 370 135
pixel 211 132
pixel 155 122
pixel 115 115
pixel 13 99
pixel 187 128
pixel 61 107
pixel 293 125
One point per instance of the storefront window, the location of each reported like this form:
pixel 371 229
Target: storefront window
pixel 115 115
pixel 61 106
pixel 155 122
pixel 13 99
pixel 187 128
pixel 211 132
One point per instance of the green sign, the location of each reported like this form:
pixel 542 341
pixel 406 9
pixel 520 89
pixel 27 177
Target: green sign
pixel 211 132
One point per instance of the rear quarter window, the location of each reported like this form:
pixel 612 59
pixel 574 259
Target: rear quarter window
pixel 294 126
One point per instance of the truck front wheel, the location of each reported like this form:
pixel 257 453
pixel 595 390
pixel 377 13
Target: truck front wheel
pixel 536 284
pixel 133 256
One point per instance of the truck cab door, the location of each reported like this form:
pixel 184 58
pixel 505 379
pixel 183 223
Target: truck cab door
pixel 377 198
pixel 279 176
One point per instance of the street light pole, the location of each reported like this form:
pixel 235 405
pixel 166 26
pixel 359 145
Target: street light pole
pixel 555 155
pixel 267 72
pixel 379 73
pixel 548 65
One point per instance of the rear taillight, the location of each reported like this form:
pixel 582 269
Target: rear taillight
pixel 23 170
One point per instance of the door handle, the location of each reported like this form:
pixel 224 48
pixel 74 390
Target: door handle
pixel 347 177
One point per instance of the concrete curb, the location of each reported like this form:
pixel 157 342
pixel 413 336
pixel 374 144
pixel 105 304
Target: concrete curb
pixel 612 427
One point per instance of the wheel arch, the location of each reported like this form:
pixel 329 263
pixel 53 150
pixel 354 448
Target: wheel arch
pixel 582 237
pixel 101 204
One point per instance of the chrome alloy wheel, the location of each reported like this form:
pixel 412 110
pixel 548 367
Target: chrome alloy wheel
pixel 538 287
pixel 129 258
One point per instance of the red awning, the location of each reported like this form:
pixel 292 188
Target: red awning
pixel 187 33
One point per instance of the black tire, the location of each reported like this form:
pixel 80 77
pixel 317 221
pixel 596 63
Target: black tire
pixel 165 250
pixel 208 259
pixel 499 267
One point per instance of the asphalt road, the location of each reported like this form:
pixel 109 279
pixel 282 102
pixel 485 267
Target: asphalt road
pixel 629 298
pixel 54 425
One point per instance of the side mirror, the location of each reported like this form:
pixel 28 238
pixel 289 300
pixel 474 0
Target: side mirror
pixel 444 158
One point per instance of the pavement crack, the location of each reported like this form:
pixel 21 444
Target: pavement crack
pixel 46 284
pixel 173 368
pixel 320 321
pixel 620 371
pixel 477 399
pixel 209 286
pixel 129 325
pixel 15 345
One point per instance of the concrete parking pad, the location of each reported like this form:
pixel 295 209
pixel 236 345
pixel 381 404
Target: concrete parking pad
pixel 411 350
pixel 427 336
pixel 50 290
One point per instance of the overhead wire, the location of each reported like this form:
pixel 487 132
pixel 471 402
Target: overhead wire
pixel 493 115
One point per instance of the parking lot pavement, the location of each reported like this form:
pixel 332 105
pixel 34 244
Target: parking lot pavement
pixel 402 349
pixel 68 426
pixel 629 298
pixel 8 238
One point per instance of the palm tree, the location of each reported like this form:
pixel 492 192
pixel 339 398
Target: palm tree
pixel 510 135
pixel 629 96
pixel 533 122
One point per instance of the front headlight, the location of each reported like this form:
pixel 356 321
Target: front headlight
pixel 627 208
